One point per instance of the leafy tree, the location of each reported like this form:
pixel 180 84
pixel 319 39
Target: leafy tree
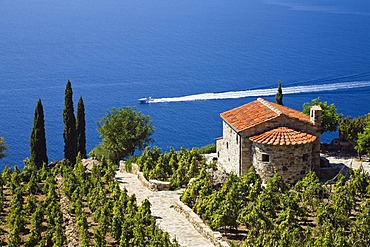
pixel 38 139
pixel 363 142
pixel 349 128
pixel 3 148
pixel 279 95
pixel 356 131
pixel 123 131
pixel 81 128
pixel 330 119
pixel 70 137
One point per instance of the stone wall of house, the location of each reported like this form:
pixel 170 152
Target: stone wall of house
pixel 292 162
pixel 282 120
pixel 228 150
pixel 246 155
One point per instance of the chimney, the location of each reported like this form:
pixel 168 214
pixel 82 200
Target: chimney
pixel 315 115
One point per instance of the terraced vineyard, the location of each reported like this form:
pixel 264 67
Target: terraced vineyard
pixel 54 207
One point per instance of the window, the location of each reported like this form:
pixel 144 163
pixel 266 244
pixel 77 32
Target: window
pixel 237 139
pixel 265 158
pixel 227 145
pixel 305 157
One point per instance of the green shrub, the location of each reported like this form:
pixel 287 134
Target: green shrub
pixel 210 148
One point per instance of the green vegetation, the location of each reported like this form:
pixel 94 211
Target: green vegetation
pixel 279 95
pixel 30 208
pixel 306 214
pixel 350 128
pixel 70 136
pixel 357 132
pixel 330 119
pixel 81 128
pixel 31 211
pixel 363 142
pixel 38 139
pixel 176 167
pixel 107 215
pixel 122 132
pixel 210 148
pixel 3 148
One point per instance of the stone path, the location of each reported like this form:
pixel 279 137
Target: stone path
pixel 350 162
pixel 167 218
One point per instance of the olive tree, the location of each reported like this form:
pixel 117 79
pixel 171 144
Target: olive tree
pixel 122 132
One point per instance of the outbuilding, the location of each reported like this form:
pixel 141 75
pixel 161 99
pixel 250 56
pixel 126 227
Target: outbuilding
pixel 272 138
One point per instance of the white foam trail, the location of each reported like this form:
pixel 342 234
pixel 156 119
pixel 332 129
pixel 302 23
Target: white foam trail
pixel 266 92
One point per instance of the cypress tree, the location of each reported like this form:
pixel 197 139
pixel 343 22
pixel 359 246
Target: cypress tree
pixel 279 95
pixel 70 137
pixel 81 128
pixel 38 140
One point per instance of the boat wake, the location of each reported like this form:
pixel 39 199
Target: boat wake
pixel 266 92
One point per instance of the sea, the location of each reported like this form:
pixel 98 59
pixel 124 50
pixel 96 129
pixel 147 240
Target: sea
pixel 195 58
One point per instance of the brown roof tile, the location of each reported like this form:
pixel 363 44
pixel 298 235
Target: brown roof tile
pixel 259 111
pixel 283 136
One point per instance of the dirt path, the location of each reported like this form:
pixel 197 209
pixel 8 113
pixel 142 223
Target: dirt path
pixel 71 232
pixel 167 218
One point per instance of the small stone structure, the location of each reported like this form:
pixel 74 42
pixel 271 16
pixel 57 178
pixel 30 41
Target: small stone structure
pixel 272 138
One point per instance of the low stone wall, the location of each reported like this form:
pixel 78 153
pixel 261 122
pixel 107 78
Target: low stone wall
pixel 199 225
pixel 145 182
pixel 160 185
pixel 153 185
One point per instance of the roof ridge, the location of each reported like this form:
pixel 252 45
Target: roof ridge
pixel 268 105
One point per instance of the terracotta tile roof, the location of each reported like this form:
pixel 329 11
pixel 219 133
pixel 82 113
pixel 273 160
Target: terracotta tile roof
pixel 283 136
pixel 259 111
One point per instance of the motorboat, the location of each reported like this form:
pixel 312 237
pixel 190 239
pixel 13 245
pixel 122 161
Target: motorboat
pixel 146 100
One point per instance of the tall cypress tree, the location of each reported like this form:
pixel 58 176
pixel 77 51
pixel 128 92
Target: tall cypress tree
pixel 38 140
pixel 70 137
pixel 81 128
pixel 279 95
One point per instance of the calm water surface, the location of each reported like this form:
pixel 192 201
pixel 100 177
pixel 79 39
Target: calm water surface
pixel 116 51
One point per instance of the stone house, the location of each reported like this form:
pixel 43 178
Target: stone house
pixel 272 138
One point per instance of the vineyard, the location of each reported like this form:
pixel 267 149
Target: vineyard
pixel 307 214
pixel 45 207
pixel 177 167
pixel 61 205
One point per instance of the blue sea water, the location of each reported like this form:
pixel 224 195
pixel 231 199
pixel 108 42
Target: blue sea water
pixel 116 51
